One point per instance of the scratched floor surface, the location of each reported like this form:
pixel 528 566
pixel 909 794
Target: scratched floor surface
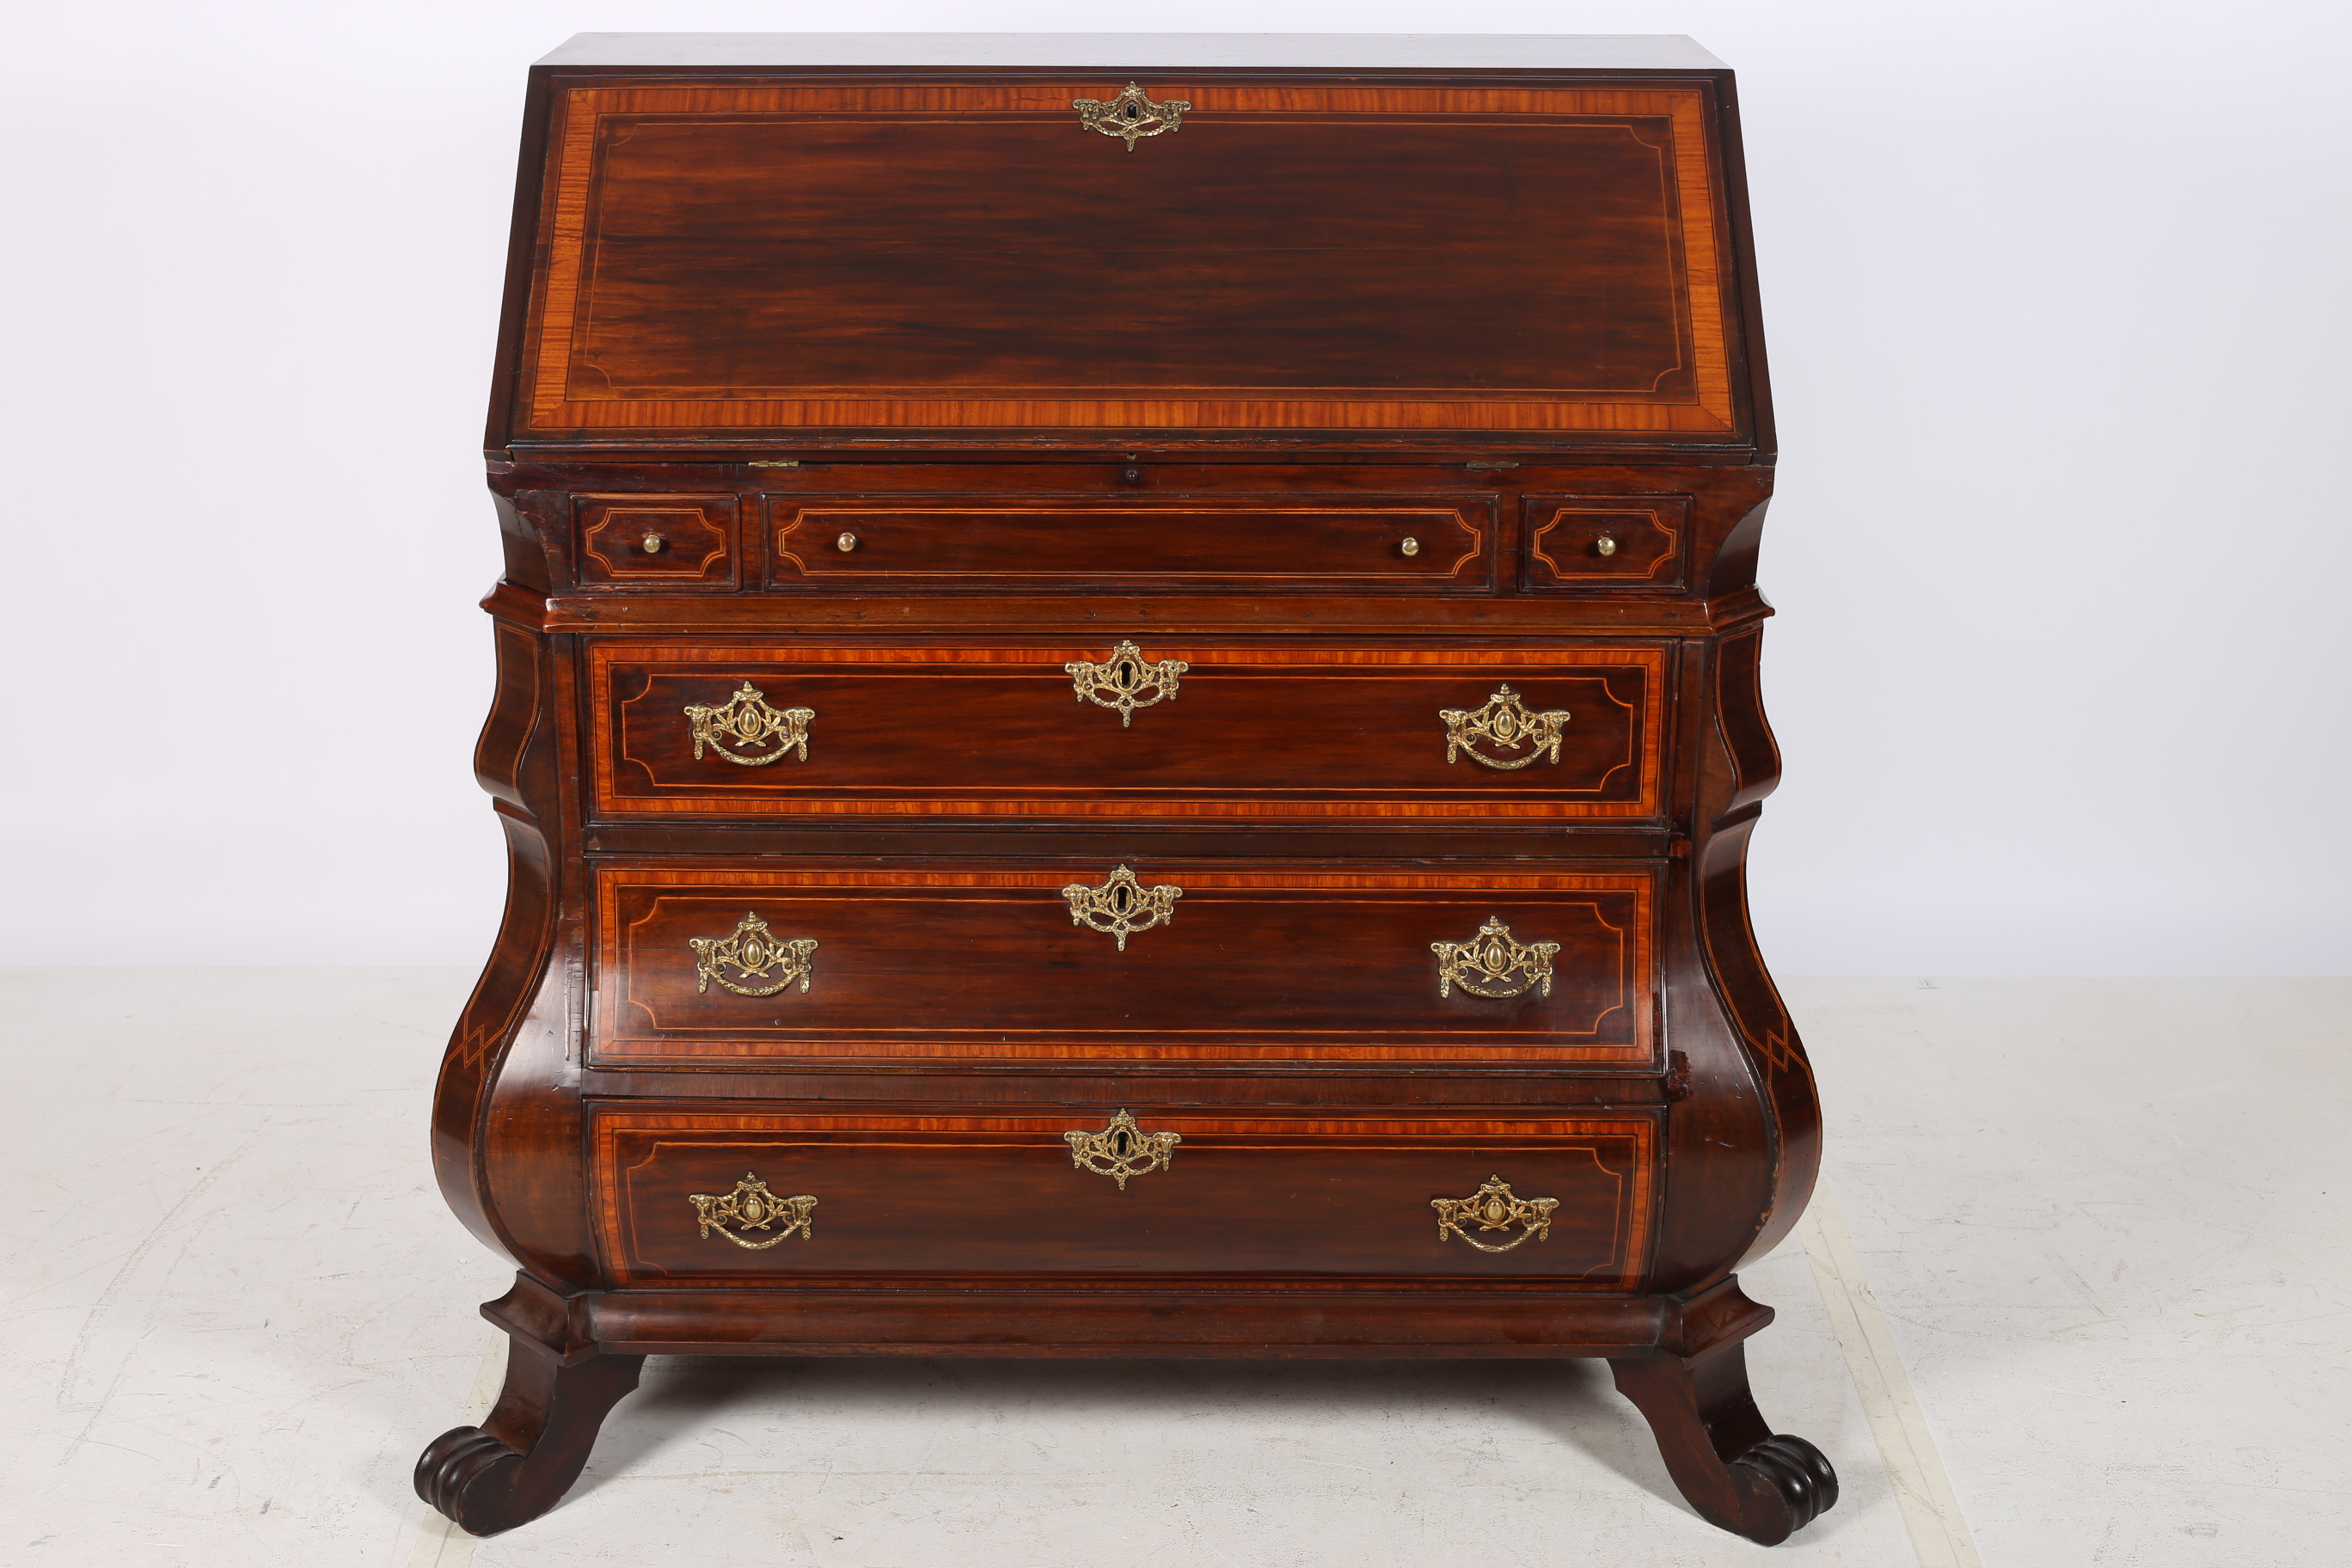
pixel 238 1309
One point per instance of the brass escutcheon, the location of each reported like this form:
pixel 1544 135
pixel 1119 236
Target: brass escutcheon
pixel 1131 115
pixel 753 1206
pixel 1122 905
pixel 746 719
pixel 1486 964
pixel 1504 721
pixel 1121 1149
pixel 1491 1208
pixel 1126 675
pixel 752 951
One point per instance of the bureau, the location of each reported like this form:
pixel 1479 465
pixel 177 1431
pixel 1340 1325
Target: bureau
pixel 1126 721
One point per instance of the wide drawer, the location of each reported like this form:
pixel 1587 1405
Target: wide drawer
pixel 1278 544
pixel 1129 726
pixel 1100 961
pixel 685 1192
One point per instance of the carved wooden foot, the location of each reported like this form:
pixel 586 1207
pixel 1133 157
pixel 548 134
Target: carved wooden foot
pixel 1729 1464
pixel 520 1461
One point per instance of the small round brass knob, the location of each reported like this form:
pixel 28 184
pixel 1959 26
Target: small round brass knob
pixel 845 543
pixel 653 543
pixel 1411 546
pixel 1604 546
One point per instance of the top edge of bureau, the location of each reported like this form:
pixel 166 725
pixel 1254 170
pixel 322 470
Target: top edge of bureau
pixel 1670 52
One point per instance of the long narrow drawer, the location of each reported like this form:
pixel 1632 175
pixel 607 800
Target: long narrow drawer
pixel 685 1192
pixel 1271 543
pixel 1103 962
pixel 1129 727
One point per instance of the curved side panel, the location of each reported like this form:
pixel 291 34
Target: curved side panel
pixel 1753 763
pixel 508 1080
pixel 491 1017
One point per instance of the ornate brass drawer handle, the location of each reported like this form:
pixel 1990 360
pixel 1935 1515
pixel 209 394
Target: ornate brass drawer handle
pixel 753 953
pixel 746 719
pixel 1130 114
pixel 1122 905
pixel 1121 1149
pixel 1126 676
pixel 1494 1207
pixel 1492 964
pixel 752 1206
pixel 1505 721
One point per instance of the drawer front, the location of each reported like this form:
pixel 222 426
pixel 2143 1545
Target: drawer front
pixel 1092 962
pixel 664 541
pixel 1578 542
pixel 1282 544
pixel 1236 1194
pixel 1285 733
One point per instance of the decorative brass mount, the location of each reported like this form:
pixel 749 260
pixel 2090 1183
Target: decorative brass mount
pixel 752 950
pixel 1505 721
pixel 1494 1207
pixel 1121 1149
pixel 1130 114
pixel 753 1206
pixel 1122 905
pixel 1484 965
pixel 748 721
pixel 1126 675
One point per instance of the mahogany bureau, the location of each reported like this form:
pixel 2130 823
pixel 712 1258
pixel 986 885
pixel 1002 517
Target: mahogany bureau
pixel 1126 721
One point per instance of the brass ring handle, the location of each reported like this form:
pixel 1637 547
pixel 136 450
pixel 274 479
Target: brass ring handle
pixel 1126 675
pixel 752 1206
pixel 1504 721
pixel 746 719
pixel 1494 1207
pixel 846 542
pixel 753 953
pixel 1411 546
pixel 1604 546
pixel 1492 965
pixel 653 543
pixel 1121 1149
pixel 1122 906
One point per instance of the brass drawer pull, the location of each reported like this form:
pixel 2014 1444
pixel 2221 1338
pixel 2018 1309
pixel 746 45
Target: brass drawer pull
pixel 746 719
pixel 1122 905
pixel 1485 965
pixel 1494 1207
pixel 752 1206
pixel 1130 114
pixel 1121 1149
pixel 1126 675
pixel 752 951
pixel 1505 721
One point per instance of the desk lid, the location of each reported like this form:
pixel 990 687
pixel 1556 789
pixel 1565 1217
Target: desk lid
pixel 769 243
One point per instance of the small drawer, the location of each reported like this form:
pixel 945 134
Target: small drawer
pixel 1129 727
pixel 1271 543
pixel 1092 961
pixel 1605 541
pixel 655 542
pixel 686 1193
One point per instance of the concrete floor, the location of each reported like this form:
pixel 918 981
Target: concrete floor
pixel 2104 1221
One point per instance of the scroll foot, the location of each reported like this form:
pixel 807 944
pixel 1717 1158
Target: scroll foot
pixel 522 1460
pixel 1729 1464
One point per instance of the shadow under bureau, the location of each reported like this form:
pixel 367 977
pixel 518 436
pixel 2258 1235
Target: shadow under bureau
pixel 1127 722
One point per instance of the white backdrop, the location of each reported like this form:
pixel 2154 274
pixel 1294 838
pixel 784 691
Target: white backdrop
pixel 2056 294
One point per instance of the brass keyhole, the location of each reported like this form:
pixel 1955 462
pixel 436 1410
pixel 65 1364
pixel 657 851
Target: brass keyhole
pixel 653 543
